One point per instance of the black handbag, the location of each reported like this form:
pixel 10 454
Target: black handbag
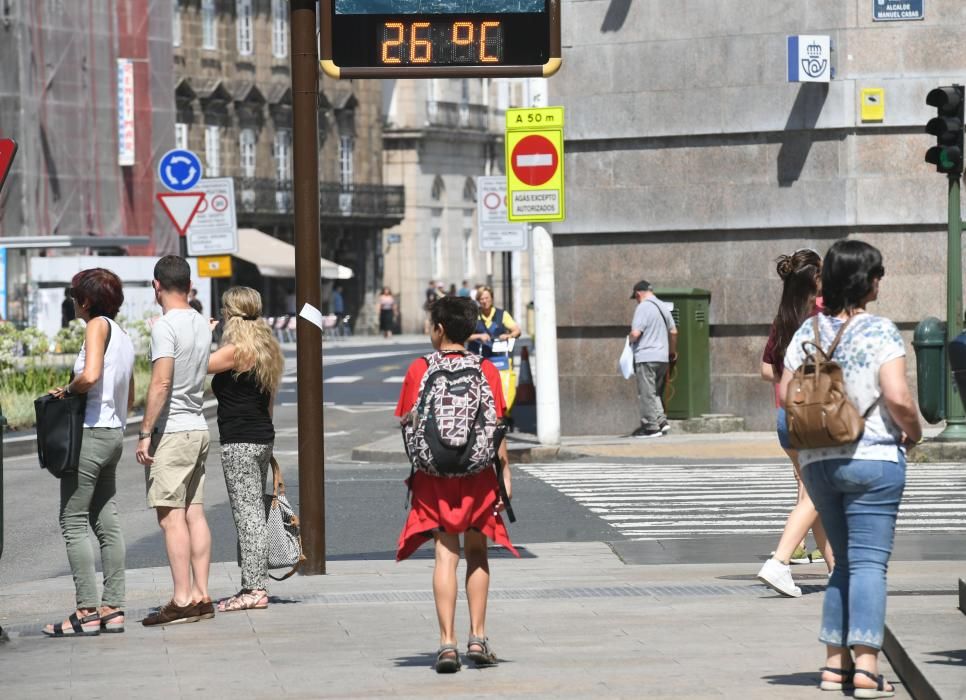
pixel 60 425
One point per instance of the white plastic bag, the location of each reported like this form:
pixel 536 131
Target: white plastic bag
pixel 626 362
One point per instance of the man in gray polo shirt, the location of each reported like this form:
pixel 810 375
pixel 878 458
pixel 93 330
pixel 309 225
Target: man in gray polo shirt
pixel 654 338
pixel 173 443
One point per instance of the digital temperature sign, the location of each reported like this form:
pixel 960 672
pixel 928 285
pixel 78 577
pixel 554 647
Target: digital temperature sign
pixel 440 38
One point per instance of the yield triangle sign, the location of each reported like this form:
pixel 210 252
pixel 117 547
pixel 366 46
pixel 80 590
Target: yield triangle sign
pixel 8 149
pixel 181 207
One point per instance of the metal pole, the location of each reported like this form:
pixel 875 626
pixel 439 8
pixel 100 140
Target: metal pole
pixel 308 282
pixel 545 315
pixel 955 416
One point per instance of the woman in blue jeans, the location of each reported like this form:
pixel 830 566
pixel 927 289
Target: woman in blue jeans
pixel 857 487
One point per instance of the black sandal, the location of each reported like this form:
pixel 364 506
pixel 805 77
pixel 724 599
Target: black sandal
pixel 447 659
pixel 76 626
pixel 110 624
pixel 485 656
pixel 878 692
pixel 836 685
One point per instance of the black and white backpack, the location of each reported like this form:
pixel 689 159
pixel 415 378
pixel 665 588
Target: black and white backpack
pixel 450 430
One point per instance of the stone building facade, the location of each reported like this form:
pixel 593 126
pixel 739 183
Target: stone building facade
pixel 234 109
pixel 691 161
pixel 439 136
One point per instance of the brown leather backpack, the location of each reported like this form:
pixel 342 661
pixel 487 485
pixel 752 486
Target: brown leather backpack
pixel 817 408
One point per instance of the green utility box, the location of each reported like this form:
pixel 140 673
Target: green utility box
pixel 688 391
pixel 929 341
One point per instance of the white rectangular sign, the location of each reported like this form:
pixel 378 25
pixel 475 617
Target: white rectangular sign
pixel 491 200
pixel 125 112
pixel 214 231
pixel 500 239
pixel 809 59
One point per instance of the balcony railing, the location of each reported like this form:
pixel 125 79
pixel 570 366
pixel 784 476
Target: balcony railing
pixel 266 197
pixel 457 115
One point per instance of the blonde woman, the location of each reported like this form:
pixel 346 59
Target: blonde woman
pixel 247 367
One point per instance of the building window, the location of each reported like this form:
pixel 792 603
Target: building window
pixel 283 155
pixel 213 151
pixel 246 151
pixel 209 25
pixel 280 28
pixel 469 190
pixel 181 136
pixel 469 254
pixel 438 190
pixel 245 23
pixel 436 253
pixel 346 148
pixel 176 24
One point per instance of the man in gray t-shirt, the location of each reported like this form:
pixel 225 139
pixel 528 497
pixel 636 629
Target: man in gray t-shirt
pixel 654 338
pixel 173 442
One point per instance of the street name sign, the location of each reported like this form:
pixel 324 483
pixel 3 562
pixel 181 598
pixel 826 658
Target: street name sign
pixel 179 170
pixel 497 233
pixel 439 38
pixel 534 159
pixel 214 230
pixel 181 207
pixel 8 149
pixel 893 11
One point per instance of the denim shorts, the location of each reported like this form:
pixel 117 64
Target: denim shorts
pixel 781 426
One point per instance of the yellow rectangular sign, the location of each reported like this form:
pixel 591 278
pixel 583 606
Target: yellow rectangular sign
pixel 873 104
pixel 214 266
pixel 534 164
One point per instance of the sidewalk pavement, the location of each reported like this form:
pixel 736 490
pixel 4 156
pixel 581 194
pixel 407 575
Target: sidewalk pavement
pixel 567 620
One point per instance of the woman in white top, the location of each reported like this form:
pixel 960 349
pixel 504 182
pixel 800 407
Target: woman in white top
pixel 857 487
pixel 104 370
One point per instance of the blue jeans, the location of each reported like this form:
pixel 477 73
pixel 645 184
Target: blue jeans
pixel 858 501
pixel 781 425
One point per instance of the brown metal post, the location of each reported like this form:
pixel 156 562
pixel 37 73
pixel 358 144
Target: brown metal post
pixel 308 282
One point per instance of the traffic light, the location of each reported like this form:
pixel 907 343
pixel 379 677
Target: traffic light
pixel 947 127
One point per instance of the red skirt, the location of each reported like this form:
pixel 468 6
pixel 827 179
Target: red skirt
pixel 452 505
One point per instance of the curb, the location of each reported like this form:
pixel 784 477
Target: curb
pixel 911 675
pixel 20 443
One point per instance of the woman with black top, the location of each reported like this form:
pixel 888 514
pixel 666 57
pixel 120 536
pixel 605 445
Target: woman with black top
pixel 247 367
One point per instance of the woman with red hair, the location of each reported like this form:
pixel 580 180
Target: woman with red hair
pixel 104 371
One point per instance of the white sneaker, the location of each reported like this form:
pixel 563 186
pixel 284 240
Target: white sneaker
pixel 778 577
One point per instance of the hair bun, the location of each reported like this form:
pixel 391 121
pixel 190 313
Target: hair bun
pixel 784 266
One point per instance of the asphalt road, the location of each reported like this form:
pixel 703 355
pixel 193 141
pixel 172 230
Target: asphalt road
pixel 365 502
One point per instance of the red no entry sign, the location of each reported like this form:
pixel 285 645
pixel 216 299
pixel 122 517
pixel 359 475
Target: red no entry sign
pixel 534 160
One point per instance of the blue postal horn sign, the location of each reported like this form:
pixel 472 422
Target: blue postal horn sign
pixel 809 59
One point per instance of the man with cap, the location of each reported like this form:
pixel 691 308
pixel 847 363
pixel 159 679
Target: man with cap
pixel 654 339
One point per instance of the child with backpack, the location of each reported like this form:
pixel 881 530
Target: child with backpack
pixel 450 405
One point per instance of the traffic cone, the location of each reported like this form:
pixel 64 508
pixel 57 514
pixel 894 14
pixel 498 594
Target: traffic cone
pixel 526 391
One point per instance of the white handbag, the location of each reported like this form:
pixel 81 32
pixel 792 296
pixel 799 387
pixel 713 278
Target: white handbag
pixel 284 537
pixel 626 362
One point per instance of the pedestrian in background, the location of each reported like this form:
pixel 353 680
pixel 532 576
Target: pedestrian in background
pixel 491 324
pixel 387 308
pixel 67 312
pixel 173 443
pixel 194 302
pixel 801 274
pixel 857 487
pixel 444 508
pixel 248 368
pixel 464 290
pixel 104 370
pixel 654 338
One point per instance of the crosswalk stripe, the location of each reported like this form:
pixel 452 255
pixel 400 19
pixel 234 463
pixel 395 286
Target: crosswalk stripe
pixel 342 380
pixel 394 380
pixel 681 501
